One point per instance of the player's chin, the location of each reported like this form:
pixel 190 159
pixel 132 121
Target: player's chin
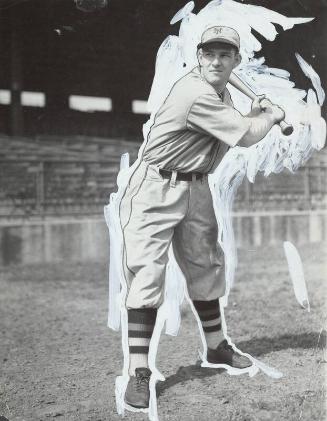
pixel 216 79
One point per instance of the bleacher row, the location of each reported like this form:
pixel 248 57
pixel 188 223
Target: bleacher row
pixel 75 175
pixel 51 175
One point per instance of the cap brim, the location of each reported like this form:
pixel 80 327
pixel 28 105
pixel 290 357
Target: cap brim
pixel 220 40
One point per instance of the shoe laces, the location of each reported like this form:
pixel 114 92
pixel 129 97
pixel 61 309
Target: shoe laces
pixel 142 381
pixel 228 347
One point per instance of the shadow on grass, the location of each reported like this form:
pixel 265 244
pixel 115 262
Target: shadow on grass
pixel 256 347
pixel 188 373
pixel 265 345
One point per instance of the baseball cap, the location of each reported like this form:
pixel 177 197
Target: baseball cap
pixel 223 34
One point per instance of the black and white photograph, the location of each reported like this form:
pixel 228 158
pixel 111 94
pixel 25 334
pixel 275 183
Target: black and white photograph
pixel 163 210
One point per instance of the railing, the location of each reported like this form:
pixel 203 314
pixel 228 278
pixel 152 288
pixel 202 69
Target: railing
pixel 52 187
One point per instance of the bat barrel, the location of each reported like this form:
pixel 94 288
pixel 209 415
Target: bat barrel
pixel 287 129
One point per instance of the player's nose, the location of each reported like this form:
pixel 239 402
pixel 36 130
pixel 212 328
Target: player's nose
pixel 216 61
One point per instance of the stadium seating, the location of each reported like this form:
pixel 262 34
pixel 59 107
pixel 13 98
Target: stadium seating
pixel 67 175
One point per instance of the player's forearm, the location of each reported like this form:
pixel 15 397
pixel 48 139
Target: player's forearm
pixel 259 126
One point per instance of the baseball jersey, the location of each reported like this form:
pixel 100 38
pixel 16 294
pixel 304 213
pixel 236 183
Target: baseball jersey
pixel 194 127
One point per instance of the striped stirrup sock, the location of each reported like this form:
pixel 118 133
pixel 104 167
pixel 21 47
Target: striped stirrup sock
pixel 209 313
pixel 140 328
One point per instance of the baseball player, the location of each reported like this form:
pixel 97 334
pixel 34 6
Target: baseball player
pixel 168 201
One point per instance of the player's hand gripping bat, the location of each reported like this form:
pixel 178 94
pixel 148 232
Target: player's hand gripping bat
pixel 234 80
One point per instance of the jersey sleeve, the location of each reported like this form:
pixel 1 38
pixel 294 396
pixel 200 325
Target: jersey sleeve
pixel 208 114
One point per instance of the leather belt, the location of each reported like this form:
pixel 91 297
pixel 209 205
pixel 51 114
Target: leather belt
pixel 183 176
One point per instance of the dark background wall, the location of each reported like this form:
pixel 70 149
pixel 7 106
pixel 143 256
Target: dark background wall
pixel 53 47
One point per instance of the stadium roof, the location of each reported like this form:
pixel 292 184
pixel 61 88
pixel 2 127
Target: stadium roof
pixel 57 49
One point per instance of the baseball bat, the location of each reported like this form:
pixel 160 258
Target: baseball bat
pixel 238 83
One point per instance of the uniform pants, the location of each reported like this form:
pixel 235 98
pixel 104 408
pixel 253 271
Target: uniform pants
pixel 156 212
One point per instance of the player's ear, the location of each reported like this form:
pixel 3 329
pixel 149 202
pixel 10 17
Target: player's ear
pixel 199 56
pixel 238 59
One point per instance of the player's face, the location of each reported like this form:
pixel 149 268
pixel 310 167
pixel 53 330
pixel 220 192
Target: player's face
pixel 217 62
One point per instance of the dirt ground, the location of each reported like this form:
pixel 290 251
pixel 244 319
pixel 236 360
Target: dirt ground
pixel 59 360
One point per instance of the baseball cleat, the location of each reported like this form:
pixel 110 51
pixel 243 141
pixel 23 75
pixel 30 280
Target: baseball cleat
pixel 225 354
pixel 137 392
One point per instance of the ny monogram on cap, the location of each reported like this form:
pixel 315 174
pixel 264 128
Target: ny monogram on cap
pixel 220 34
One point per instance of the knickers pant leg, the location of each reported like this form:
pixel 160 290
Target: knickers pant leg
pixel 196 248
pixel 150 210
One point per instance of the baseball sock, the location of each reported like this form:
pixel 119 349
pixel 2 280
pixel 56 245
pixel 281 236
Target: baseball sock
pixel 140 328
pixel 209 313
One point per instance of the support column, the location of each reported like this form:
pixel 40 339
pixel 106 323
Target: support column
pixel 16 76
pixel 56 120
pixel 121 119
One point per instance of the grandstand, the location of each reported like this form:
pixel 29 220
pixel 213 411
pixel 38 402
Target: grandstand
pixel 53 175
pixel 58 175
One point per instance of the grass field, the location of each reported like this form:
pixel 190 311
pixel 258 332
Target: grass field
pixel 59 360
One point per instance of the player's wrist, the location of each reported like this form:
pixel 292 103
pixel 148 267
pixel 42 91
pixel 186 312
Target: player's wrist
pixel 273 114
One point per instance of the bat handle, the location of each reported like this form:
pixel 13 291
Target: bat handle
pixel 237 82
pixel 287 129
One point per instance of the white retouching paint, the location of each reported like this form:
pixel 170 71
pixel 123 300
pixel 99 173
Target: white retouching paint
pixel 183 13
pixel 295 268
pixel 312 75
pixel 176 57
